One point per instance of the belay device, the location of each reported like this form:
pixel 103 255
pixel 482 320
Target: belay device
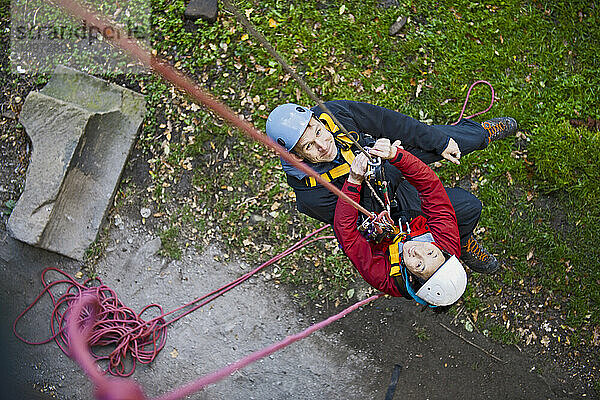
pixel 379 226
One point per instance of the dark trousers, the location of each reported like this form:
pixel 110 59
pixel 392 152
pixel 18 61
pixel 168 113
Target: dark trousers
pixel 469 136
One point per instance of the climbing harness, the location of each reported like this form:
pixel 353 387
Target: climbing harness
pixel 345 142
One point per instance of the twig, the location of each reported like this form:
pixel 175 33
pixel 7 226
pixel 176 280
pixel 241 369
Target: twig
pixel 473 344
pixel 518 348
pixel 458 313
pixel 473 323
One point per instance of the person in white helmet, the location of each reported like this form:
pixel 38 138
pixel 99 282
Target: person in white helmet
pixel 420 263
pixel 312 136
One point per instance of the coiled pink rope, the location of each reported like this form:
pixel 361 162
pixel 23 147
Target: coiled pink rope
pixel 119 326
pixel 467 101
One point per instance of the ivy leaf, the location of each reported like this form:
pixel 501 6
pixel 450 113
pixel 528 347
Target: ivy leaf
pixel 9 207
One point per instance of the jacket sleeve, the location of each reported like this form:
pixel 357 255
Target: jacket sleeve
pixel 380 122
pixel 435 203
pixel 371 261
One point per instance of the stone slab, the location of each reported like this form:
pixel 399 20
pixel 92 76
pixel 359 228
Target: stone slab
pixel 202 9
pixel 82 130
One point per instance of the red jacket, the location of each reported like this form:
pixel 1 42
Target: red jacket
pixel 372 259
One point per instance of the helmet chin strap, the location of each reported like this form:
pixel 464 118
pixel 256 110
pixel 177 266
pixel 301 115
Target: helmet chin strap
pixel 410 289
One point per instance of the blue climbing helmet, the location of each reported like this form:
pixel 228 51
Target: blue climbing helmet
pixel 287 122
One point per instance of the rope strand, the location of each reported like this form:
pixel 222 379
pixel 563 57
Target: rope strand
pixel 467 101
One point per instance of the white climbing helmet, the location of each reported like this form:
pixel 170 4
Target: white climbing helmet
pixel 446 285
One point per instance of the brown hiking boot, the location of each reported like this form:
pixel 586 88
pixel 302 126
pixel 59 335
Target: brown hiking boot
pixel 477 258
pixel 498 128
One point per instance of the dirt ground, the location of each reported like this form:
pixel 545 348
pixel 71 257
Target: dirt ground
pixel 353 358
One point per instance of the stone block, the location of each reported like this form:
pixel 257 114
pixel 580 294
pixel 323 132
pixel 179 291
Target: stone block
pixel 204 9
pixel 82 130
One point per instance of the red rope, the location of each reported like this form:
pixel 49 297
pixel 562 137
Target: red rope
pixel 467 101
pixel 116 325
pixel 120 326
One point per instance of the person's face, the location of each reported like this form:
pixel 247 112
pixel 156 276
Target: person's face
pixel 422 258
pixel 316 143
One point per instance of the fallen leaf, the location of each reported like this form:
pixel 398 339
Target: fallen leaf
pixel 545 340
pixel 272 23
pixel 530 255
pixel 174 353
pixel 529 196
pixel 79 275
pixel 419 88
pixel 350 293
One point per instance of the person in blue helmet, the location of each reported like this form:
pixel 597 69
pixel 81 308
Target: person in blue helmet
pixel 310 135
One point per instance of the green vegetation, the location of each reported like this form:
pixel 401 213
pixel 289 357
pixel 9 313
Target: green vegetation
pixel 422 334
pixel 170 246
